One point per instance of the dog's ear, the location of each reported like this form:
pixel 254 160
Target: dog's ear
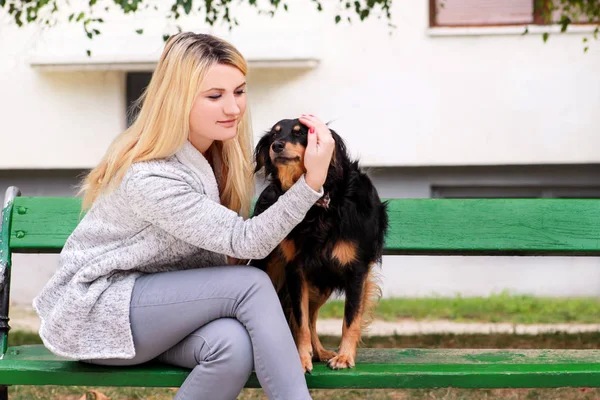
pixel 339 153
pixel 261 152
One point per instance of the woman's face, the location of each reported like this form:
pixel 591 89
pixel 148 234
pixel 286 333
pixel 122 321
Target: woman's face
pixel 219 106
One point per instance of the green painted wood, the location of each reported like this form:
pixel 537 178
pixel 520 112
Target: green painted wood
pixel 417 226
pixel 376 368
pixel 495 225
pixel 43 223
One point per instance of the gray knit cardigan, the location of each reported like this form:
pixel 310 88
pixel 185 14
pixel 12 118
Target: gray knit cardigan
pixel 165 215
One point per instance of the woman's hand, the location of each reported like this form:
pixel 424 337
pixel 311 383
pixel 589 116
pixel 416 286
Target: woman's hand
pixel 319 151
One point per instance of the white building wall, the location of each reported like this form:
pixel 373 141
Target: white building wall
pixel 411 96
pixel 417 97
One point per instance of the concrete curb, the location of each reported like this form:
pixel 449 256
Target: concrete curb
pixel 385 328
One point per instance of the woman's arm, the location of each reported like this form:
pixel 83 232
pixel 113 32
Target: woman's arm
pixel 167 201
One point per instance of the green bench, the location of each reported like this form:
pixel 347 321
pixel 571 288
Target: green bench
pixel 417 226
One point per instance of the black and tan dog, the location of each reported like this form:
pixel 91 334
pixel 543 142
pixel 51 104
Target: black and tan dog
pixel 335 247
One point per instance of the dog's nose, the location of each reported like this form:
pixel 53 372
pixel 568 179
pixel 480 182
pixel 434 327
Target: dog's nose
pixel 278 147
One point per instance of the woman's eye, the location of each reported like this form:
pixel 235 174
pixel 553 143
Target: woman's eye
pixel 218 96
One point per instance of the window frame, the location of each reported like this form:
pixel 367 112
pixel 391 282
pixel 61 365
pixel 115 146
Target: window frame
pixel 538 18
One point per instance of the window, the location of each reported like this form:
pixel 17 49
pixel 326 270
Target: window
pixel 497 12
pixel 136 83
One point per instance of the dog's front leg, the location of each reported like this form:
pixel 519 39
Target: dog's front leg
pixel 320 352
pixel 298 290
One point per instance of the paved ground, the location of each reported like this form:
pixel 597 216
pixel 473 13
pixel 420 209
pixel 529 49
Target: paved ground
pixel 26 319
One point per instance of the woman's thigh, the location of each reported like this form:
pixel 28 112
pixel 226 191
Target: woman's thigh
pixel 166 307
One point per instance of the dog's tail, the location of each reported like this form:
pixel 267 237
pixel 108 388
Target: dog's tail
pixel 371 295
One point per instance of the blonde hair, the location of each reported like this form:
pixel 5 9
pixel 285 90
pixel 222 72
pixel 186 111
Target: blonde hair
pixel 162 125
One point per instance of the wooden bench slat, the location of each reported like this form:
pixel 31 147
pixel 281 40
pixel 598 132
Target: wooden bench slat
pixel 417 226
pixel 492 225
pixel 43 223
pixel 376 368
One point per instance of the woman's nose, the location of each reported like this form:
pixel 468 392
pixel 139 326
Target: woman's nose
pixel 231 107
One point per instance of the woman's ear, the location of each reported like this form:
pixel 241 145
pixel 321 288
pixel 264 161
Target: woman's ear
pixel 261 152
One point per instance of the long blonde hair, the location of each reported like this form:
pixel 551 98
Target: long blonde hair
pixel 162 125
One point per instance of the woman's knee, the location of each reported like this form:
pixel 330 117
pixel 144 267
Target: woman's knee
pixel 230 343
pixel 257 278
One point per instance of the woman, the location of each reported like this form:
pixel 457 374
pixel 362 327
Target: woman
pixel 144 275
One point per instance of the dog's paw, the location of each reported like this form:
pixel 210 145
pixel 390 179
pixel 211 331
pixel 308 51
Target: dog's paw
pixel 324 355
pixel 341 361
pixel 306 360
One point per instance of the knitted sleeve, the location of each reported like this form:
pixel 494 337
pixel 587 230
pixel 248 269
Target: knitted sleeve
pixel 173 205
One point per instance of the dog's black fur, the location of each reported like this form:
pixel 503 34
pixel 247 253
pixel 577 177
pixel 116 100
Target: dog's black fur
pixel 335 246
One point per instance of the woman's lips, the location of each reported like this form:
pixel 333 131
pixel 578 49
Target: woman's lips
pixel 227 124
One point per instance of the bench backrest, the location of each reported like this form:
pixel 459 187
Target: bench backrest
pixel 417 226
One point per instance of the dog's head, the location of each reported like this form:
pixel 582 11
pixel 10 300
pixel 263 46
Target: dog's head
pixel 281 152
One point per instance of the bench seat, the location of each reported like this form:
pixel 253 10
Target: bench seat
pixel 376 368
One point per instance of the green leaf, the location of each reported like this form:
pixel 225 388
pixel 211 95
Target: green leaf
pixel 585 49
pixel 545 36
pixel 80 17
pixel 187 6
pixel 18 18
pixel 139 31
pixel 89 53
pixel 337 19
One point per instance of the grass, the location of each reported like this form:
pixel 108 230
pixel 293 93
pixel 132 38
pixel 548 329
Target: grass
pixel 80 393
pixel 496 308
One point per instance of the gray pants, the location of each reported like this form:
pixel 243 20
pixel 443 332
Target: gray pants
pixel 220 322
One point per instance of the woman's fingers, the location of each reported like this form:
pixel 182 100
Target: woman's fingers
pixel 321 129
pixel 319 150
